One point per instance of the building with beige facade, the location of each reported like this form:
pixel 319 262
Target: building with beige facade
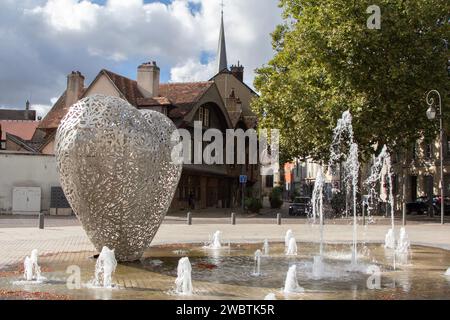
pixel 417 170
pixel 300 177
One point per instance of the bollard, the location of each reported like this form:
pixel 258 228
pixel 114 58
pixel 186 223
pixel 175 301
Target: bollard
pixel 41 220
pixel 189 219
pixel 279 219
pixel 233 218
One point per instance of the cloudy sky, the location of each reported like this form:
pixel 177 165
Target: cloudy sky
pixel 44 40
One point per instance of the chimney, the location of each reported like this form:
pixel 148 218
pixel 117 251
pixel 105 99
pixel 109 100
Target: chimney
pixel 75 86
pixel 238 71
pixel 148 79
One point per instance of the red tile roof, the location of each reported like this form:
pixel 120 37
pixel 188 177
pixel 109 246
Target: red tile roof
pixel 177 94
pixel 184 93
pixel 21 128
pixel 182 96
pixel 55 115
pixel 155 101
pixel 126 86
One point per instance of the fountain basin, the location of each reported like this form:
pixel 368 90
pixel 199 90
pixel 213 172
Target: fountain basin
pixel 229 274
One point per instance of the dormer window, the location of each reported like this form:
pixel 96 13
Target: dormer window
pixel 203 116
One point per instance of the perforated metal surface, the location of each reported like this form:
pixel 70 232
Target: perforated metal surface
pixel 116 172
pixel 58 199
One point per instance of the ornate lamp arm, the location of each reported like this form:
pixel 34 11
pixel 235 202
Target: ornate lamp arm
pixel 430 101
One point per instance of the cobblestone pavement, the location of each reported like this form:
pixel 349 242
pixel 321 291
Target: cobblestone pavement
pixel 17 242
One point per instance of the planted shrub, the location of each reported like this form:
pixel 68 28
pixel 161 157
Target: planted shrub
pixel 253 205
pixel 275 198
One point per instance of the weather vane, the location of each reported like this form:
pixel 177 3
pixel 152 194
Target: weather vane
pixel 222 5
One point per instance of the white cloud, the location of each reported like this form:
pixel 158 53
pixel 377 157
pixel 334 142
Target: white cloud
pixel 68 14
pixel 43 109
pixel 44 40
pixel 192 71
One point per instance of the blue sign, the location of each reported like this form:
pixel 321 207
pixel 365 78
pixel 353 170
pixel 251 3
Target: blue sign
pixel 243 179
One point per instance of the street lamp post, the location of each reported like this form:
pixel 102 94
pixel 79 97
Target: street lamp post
pixel 431 114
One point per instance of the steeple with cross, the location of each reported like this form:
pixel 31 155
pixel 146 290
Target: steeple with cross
pixel 222 5
pixel 222 63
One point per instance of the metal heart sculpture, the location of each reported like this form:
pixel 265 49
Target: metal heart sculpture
pixel 116 171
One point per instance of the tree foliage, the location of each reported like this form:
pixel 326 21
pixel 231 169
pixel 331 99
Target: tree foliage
pixel 327 61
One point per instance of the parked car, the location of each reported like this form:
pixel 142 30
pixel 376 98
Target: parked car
pixel 300 206
pixel 437 205
pixel 420 206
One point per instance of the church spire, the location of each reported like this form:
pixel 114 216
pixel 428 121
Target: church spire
pixel 222 50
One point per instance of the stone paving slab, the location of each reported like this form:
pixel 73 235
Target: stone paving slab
pixel 16 243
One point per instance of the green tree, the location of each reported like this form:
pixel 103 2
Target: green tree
pixel 327 61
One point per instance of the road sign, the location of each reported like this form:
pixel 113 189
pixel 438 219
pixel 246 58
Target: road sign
pixel 243 179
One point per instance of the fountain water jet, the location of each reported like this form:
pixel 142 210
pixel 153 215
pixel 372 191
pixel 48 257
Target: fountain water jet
pixel 352 165
pixel 104 268
pixel 32 271
pixel 344 132
pixel 389 239
pixel 292 247
pixel 28 269
pixel 318 267
pixel 215 242
pixel 257 269
pixel 383 160
pixel 291 284
pixel 317 211
pixel 287 237
pixel 317 204
pixel 403 250
pixel 403 244
pixel 266 247
pixel 184 277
